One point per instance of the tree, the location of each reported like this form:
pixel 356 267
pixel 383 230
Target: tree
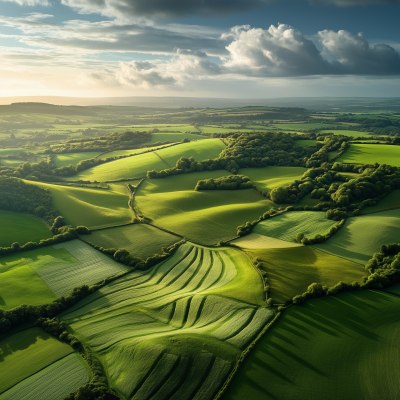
pixel 299 237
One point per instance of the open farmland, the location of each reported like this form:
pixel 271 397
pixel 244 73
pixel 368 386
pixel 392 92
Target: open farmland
pixel 27 352
pixel 176 330
pixel 371 153
pixel 345 132
pixel 389 202
pixel 256 241
pixel 291 270
pixel 340 347
pixel 22 228
pixel 91 207
pixel 62 160
pixel 357 241
pixel 286 226
pixel 139 239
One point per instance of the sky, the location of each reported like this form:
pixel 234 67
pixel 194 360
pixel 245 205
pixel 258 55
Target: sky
pixel 200 48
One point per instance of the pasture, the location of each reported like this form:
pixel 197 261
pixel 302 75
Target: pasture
pixel 63 160
pixel 389 202
pixel 346 133
pixel 256 241
pixel 174 331
pixel 305 143
pixel 27 352
pixel 371 153
pixel 21 228
pixel 286 226
pixel 339 347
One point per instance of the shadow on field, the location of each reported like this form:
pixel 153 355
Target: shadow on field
pixel 2 302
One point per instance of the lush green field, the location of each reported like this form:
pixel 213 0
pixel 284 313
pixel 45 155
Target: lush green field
pixel 62 160
pixel 202 216
pixel 21 228
pixel 54 382
pixel 290 271
pixel 269 178
pixel 363 235
pixel 256 241
pixel 24 353
pixel 176 329
pixel 346 133
pixel 342 347
pixel 286 226
pixel 391 201
pixel 306 142
pixel 301 126
pixel 94 208
pixel 139 239
pixel 175 137
pixel 117 153
pixel 371 153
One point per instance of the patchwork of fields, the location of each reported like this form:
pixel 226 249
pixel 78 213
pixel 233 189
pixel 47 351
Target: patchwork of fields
pixel 371 153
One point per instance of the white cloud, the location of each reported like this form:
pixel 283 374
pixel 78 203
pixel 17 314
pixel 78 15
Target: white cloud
pixel 30 2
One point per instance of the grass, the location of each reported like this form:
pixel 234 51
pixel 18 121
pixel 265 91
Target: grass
pixel 63 160
pixel 202 216
pixel 389 202
pixel 338 347
pixel 346 133
pixel 27 352
pixel 256 241
pixel 286 226
pixel 269 178
pixel 305 143
pixel 54 382
pixel 176 328
pixel 304 127
pixel 21 228
pixel 94 208
pixel 117 153
pixel 371 153
pixel 139 239
pixel 175 137
pixel 357 241
pixel 290 271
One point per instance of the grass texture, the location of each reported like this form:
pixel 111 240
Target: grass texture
pixel 27 352
pixel 290 271
pixel 63 160
pixel 21 228
pixel 54 382
pixel 286 226
pixel 174 331
pixel 341 347
pixel 256 241
pixel 346 133
pixel 363 235
pixel 389 202
pixel 371 153
pixel 140 240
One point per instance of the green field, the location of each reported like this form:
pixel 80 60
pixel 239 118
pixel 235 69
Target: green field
pixel 118 153
pixel 202 216
pixel 269 178
pixel 389 202
pixel 357 241
pixel 301 126
pixel 54 382
pixel 342 347
pixel 306 142
pixel 346 133
pixel 371 153
pixel 290 271
pixel 286 226
pixel 94 208
pixel 24 353
pixel 256 241
pixel 21 228
pixel 139 239
pixel 63 160
pixel 177 328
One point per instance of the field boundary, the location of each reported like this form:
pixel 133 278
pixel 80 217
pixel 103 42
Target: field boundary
pixel 165 230
pixel 162 159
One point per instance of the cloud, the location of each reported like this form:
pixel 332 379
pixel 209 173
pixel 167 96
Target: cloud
pixel 30 2
pixel 349 3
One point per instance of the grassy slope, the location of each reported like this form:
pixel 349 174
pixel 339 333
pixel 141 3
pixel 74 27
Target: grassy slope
pixel 342 347
pixel 371 153
pixel 205 216
pixel 62 160
pixel 269 178
pixel 357 241
pixel 21 228
pixel 305 143
pixel 392 200
pixel 256 241
pixel 290 271
pixel 140 240
pixel 200 305
pixel 288 225
pixel 346 133
pixel 27 352
pixel 93 208
pixel 117 153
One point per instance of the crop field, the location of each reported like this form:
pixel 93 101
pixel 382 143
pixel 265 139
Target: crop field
pixel 54 382
pixel 63 160
pixel 341 346
pixel 256 241
pixel 202 216
pixel 357 242
pixel 269 178
pixel 177 328
pixel 371 153
pixel 346 133
pixel 94 208
pixel 23 228
pixel 286 226
pixel 139 239
pixel 290 271
pixel 27 352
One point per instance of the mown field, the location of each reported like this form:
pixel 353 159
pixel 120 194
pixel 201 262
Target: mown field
pixel 357 241
pixel 341 347
pixel 389 202
pixel 286 226
pixel 188 317
pixel 371 153
pixel 256 241
pixel 62 160
pixel 21 228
